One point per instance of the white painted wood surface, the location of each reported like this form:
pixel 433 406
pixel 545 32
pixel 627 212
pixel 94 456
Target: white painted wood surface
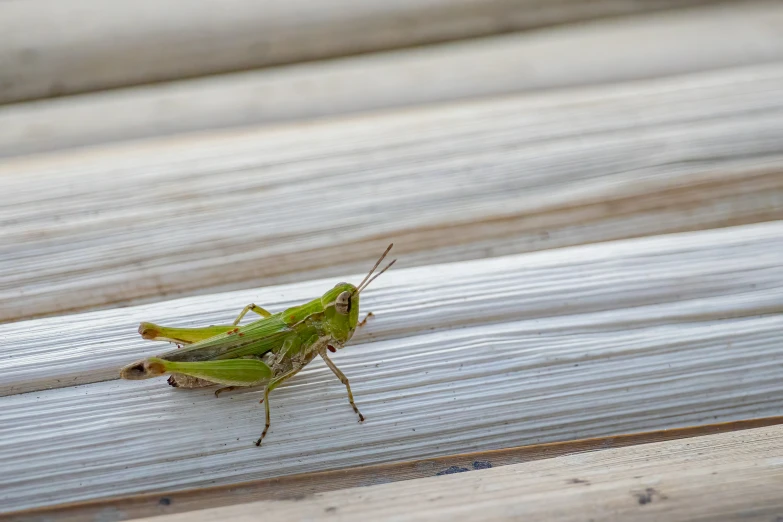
pixel 603 51
pixel 52 48
pixel 576 342
pixel 249 208
pixel 727 477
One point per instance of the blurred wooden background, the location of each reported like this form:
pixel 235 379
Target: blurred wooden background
pixel 586 200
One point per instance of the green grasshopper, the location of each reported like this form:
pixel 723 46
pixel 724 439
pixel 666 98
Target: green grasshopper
pixel 266 352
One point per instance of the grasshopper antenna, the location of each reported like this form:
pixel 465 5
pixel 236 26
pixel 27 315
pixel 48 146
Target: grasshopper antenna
pixel 365 281
pixel 359 290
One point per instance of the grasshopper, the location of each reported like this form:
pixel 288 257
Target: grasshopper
pixel 266 352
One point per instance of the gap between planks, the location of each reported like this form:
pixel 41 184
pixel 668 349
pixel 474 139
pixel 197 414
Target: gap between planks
pixel 724 477
pixel 297 487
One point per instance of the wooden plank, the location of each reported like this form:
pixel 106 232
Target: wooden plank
pixel 51 48
pixel 672 42
pixel 623 337
pixel 410 304
pixel 297 487
pixel 732 476
pixel 201 214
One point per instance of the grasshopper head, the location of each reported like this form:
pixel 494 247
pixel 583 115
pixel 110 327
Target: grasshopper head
pixel 341 310
pixel 341 304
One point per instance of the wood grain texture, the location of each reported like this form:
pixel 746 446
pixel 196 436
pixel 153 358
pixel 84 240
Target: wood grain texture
pixel 201 214
pixel 735 476
pixel 51 48
pixel 79 349
pixel 561 319
pixel 588 341
pixel 296 487
pixel 672 42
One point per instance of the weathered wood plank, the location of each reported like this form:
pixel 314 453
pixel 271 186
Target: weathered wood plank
pixel 734 476
pixel 671 42
pixel 559 345
pixel 255 207
pixel 729 273
pixel 51 48
pixel 300 486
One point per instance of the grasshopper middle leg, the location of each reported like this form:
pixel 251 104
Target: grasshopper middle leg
pixel 274 383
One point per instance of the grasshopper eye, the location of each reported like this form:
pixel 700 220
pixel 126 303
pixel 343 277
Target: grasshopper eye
pixel 343 303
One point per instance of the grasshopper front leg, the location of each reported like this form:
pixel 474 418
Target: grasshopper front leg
pixel 343 379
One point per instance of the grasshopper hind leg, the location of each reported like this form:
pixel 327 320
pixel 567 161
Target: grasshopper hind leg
pixel 178 380
pixel 155 332
pixel 225 389
pixel 268 359
pixel 252 307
